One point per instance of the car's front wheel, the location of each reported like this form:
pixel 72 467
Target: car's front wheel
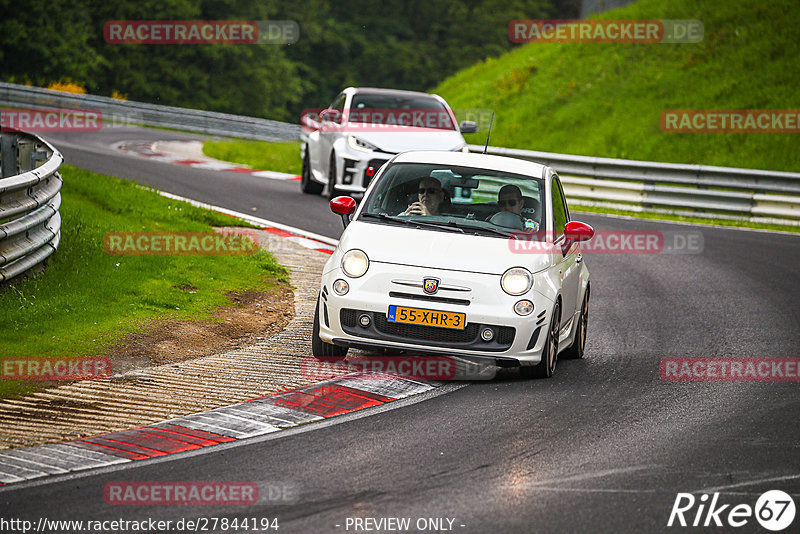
pixel 322 350
pixel 546 367
pixel 307 184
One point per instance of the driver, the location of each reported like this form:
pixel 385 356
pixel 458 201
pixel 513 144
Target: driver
pixel 509 198
pixel 430 195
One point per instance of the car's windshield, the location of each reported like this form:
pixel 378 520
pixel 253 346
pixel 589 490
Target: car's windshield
pixel 480 201
pixel 422 111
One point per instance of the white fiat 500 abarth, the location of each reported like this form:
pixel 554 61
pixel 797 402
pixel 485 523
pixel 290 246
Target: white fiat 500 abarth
pixel 458 254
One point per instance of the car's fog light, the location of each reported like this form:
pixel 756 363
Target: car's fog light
pixel 487 334
pixel 341 287
pixel 364 320
pixel 523 307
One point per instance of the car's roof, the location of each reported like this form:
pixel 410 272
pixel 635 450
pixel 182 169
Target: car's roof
pixel 388 92
pixel 471 159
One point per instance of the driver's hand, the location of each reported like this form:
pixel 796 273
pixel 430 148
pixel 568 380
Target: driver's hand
pixel 417 208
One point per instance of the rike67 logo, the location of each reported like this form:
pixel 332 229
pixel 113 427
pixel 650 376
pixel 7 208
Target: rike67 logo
pixel 774 510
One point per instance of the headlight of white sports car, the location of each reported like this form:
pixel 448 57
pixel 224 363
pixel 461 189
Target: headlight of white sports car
pixel 355 263
pixel 516 281
pixel 360 144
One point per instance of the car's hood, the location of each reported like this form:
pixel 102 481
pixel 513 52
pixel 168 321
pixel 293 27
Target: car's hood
pixel 404 139
pixel 441 250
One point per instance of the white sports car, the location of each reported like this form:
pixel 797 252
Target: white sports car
pixel 454 253
pixel 344 145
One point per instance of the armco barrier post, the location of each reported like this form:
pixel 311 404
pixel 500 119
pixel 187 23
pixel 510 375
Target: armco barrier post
pixel 8 154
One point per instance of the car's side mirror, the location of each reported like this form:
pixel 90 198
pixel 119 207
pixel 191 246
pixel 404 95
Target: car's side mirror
pixel 468 127
pixel 329 115
pixel 578 231
pixel 310 121
pixel 344 206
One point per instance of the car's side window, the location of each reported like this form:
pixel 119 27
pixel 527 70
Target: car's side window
pixel 560 214
pixel 563 197
pixel 338 105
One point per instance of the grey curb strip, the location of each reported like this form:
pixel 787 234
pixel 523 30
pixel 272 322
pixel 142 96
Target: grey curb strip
pixel 248 419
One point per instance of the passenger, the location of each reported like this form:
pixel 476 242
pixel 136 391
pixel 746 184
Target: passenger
pixel 430 195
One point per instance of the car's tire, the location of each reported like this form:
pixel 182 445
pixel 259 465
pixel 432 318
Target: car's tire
pixel 321 350
pixel 546 367
pixel 307 184
pixel 332 191
pixel 575 351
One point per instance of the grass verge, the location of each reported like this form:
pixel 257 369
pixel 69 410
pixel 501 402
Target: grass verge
pixel 260 155
pixel 86 299
pixel 606 99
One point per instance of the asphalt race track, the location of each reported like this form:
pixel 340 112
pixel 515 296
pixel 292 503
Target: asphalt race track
pixel 604 446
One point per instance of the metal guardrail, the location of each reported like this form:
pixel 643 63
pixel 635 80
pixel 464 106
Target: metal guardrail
pixel 30 225
pixel 126 113
pixel 688 190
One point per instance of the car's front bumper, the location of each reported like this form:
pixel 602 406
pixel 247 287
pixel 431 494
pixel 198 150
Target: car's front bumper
pixel 516 338
pixel 355 167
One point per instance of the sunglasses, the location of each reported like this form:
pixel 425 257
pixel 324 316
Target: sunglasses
pixel 510 203
pixel 429 190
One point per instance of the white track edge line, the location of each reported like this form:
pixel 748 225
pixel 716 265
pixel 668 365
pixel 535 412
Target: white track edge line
pixel 255 220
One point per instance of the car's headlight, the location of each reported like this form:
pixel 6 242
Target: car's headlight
pixel 360 144
pixel 516 281
pixel 355 263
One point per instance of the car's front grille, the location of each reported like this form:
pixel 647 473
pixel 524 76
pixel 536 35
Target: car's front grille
pixel 506 335
pixel 376 164
pixel 468 338
pixel 429 298
pixel 426 333
pixel 348 317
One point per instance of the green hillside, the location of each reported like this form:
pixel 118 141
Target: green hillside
pixel 607 99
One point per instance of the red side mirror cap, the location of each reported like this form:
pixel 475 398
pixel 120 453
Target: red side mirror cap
pixel 343 205
pixel 578 231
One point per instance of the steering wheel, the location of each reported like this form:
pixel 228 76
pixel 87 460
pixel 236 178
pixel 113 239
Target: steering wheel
pixel 507 219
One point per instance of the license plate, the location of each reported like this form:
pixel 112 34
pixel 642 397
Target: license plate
pixel 442 319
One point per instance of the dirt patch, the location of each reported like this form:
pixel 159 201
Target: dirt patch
pixel 253 316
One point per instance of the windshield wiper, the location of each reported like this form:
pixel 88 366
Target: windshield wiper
pixel 415 222
pixel 495 231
